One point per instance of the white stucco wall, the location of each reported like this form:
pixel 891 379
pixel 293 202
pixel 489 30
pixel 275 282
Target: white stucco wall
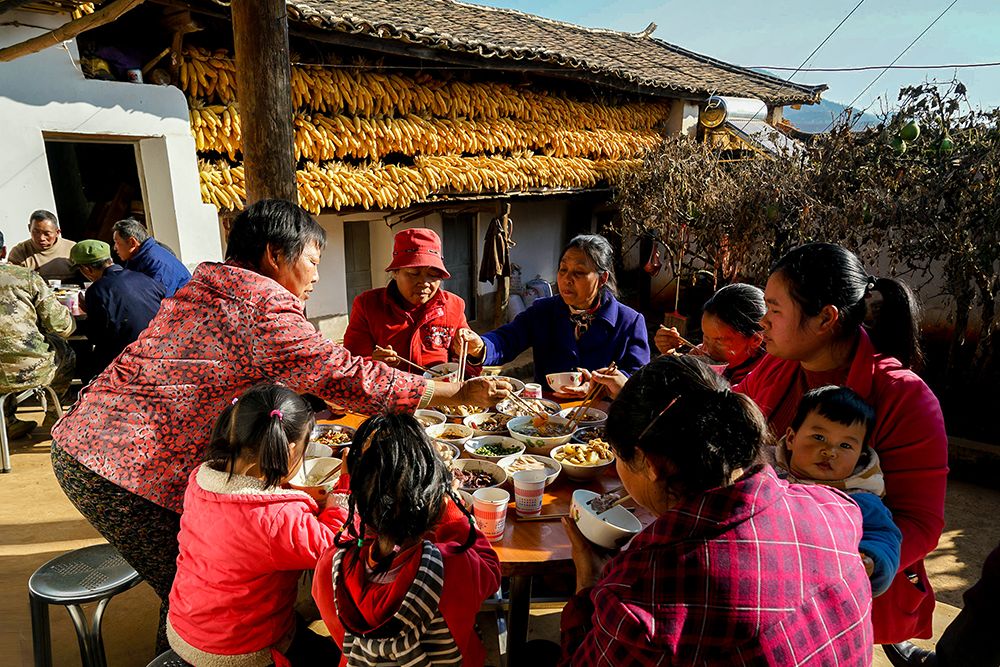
pixel 539 231
pixel 330 295
pixel 45 93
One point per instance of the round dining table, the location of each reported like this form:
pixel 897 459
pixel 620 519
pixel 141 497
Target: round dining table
pixel 534 547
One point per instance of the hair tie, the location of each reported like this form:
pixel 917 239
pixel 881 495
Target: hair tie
pixel 277 413
pixel 871 283
pixel 235 400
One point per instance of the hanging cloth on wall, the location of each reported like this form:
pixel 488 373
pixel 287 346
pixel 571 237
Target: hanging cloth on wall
pixel 496 249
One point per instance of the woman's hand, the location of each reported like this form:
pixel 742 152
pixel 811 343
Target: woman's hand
pixel 386 355
pixel 476 344
pixel 613 381
pixel 483 391
pixel 589 561
pixel 667 339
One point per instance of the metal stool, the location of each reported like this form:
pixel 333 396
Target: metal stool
pixel 20 397
pixel 92 574
pixel 168 659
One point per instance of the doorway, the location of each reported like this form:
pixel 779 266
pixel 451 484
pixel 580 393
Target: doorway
pixel 357 259
pixel 459 237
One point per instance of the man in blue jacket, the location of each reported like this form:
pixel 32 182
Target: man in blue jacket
pixel 119 304
pixel 141 252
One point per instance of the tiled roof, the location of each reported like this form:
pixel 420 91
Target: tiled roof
pixel 507 34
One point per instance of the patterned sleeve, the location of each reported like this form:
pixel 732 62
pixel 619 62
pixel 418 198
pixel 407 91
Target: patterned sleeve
pixel 598 630
pixel 53 317
pixel 286 347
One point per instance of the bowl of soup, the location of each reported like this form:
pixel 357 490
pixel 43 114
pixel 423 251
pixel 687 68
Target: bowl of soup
pixel 540 436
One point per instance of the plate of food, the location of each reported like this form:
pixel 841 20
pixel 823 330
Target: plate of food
pixel 586 418
pixel 519 462
pixel 447 451
pixel 585 435
pixel 584 462
pixel 488 423
pixel 516 409
pixel 474 474
pixel 493 447
pixel 429 417
pixel 453 434
pixel 334 436
pixel 461 411
pixel 447 372
pixel 540 435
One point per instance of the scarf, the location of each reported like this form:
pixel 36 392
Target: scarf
pixel 582 319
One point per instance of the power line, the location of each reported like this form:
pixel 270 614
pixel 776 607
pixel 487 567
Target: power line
pixel 895 60
pixel 863 68
pixel 827 39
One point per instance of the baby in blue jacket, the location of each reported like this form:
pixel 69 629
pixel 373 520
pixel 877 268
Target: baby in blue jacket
pixel 827 444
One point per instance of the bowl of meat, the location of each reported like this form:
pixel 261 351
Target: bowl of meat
pixel 453 434
pixel 488 423
pixel 540 435
pixel 329 439
pixel 474 474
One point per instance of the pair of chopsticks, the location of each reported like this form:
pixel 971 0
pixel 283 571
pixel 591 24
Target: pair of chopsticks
pixel 684 341
pixel 328 476
pixel 463 356
pixel 544 517
pixel 588 401
pixel 413 365
pixel 529 407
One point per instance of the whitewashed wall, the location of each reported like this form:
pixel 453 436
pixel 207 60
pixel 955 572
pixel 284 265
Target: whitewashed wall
pixel 46 92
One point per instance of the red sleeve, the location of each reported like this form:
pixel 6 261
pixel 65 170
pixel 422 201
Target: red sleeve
pixel 575 624
pixel 358 338
pixel 297 537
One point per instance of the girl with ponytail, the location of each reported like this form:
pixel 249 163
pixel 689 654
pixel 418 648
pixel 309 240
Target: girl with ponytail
pixel 412 569
pixel 245 540
pixel 819 330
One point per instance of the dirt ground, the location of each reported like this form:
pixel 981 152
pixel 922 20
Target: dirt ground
pixel 37 523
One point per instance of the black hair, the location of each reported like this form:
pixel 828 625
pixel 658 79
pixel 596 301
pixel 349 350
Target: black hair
pixel 826 274
pixel 42 214
pixel 260 424
pixel 599 251
pixel 1 239
pixel 130 228
pixel 272 223
pixel 678 410
pixel 739 305
pixel 838 404
pixel 398 482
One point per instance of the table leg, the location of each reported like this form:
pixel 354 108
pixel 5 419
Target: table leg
pixel 517 625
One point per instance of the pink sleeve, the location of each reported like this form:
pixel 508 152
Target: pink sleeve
pixel 297 537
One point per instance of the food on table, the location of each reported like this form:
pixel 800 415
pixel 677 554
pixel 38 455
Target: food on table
pixel 321 476
pixel 445 451
pixel 603 503
pixel 595 433
pixel 460 410
pixel 525 463
pixel 331 438
pixel 495 449
pixel 538 405
pixel 595 452
pixel 426 421
pixel 546 429
pixel 494 424
pixel 473 479
pixel 452 433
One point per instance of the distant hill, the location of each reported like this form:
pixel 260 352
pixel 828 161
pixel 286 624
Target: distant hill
pixel 814 118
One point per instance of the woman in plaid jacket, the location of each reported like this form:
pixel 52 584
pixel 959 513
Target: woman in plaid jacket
pixel 739 567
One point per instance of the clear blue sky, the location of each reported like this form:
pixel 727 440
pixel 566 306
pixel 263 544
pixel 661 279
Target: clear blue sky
pixel 784 32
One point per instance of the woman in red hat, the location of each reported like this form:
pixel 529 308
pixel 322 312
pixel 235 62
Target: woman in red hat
pixel 411 318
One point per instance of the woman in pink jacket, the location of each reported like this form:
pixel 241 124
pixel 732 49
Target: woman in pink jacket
pixel 817 298
pixel 245 540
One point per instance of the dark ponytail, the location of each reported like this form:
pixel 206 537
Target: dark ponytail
pixel 825 274
pixel 260 425
pixel 739 305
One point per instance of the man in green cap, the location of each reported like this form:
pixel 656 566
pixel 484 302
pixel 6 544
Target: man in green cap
pixel 33 350
pixel 119 304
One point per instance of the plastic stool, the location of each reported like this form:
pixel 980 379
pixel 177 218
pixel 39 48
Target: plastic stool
pixel 92 574
pixel 20 397
pixel 168 659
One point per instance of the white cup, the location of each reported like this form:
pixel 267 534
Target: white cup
pixel 489 506
pixel 529 487
pixel 532 390
pixel 55 284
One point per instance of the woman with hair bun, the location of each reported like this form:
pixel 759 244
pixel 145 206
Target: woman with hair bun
pixel 816 335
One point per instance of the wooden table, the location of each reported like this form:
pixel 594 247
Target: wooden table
pixel 530 548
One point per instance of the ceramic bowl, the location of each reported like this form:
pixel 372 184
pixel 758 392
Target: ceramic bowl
pixel 552 467
pixel 476 421
pixel 611 529
pixel 592 417
pixel 517 384
pixel 429 417
pixel 477 465
pixel 509 407
pixel 562 381
pixel 579 472
pixel 461 431
pixel 584 435
pixel 311 472
pixel 324 434
pixel 446 372
pixel 448 452
pixel 511 447
pixel 521 428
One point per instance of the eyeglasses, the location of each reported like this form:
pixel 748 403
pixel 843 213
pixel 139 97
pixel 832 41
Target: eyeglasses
pixel 656 419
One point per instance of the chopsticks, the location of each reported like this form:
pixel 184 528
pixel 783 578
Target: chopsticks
pixel 529 407
pixel 588 401
pixel 463 355
pixel 417 366
pixel 328 475
pixel 544 517
pixel 684 341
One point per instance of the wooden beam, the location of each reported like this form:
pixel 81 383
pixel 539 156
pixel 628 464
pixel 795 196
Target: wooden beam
pixel 69 30
pixel 264 92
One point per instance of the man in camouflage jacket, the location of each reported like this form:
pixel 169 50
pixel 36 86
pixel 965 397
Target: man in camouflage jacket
pixel 33 350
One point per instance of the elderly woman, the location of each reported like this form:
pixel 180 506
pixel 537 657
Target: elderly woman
pixel 123 453
pixel 584 327
pixel 738 567
pixel 412 318
pixel 817 299
pixel 731 331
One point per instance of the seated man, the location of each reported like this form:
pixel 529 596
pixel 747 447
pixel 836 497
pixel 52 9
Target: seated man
pixel 33 351
pixel 119 304
pixel 46 251
pixel 141 252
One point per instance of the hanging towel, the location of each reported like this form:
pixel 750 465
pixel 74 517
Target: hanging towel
pixel 496 250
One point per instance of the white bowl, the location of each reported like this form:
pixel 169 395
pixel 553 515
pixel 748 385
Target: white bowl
pixel 537 444
pixel 430 416
pixel 476 465
pixel 552 466
pixel 517 384
pixel 585 435
pixel 315 450
pixel 436 430
pixel 453 451
pixel 509 407
pixel 581 472
pixel 592 417
pixel 499 440
pixel 449 370
pixel 611 529
pixel 475 421
pixel 562 381
pixel 311 472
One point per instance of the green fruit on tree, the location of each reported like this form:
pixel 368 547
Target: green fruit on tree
pixel 946 145
pixel 898 145
pixel 772 212
pixel 910 131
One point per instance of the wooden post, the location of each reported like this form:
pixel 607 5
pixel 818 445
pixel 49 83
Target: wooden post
pixel 264 92
pixel 502 296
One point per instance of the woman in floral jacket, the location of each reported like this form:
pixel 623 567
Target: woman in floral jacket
pixel 124 452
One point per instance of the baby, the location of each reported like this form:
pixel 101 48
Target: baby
pixel 827 444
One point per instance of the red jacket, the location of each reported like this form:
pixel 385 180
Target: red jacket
pixel 912 446
pixel 242 550
pixel 421 334
pixel 470 576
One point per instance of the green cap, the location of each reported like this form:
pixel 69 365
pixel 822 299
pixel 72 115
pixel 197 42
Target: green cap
pixel 89 252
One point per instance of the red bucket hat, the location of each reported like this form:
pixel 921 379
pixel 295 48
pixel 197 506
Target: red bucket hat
pixel 417 247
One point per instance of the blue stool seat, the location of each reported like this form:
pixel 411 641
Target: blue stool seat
pixel 168 659
pixel 92 574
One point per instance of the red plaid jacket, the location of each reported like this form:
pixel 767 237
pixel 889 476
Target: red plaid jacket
pixel 144 422
pixel 758 573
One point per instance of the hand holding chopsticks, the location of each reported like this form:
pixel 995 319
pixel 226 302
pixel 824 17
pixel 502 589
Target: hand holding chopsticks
pixel 580 412
pixel 531 408
pixel 408 362
pixel 463 356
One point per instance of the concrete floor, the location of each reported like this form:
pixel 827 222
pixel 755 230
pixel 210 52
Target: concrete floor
pixel 37 523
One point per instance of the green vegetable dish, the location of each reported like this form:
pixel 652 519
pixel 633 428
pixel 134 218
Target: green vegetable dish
pixel 496 449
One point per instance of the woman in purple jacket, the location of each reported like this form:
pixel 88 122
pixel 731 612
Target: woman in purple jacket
pixel 584 327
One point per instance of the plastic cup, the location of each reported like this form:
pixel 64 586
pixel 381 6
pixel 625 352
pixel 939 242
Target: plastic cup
pixel 55 283
pixel 529 486
pixel 489 506
pixel 532 390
